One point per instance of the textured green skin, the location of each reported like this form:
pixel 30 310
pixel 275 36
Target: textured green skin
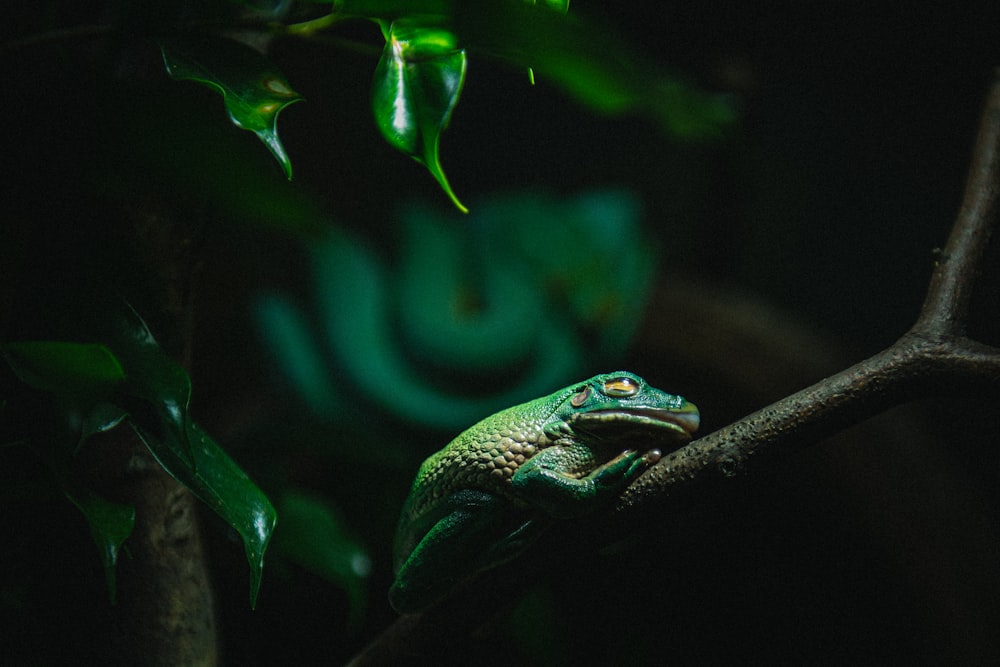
pixel 483 498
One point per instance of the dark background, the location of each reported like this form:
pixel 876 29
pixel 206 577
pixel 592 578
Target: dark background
pixel 820 213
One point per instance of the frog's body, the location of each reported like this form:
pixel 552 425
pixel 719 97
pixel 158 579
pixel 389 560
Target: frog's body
pixel 485 496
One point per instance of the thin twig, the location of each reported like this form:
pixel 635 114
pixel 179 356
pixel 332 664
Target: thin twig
pixel 946 306
pixel 86 31
pixel 314 31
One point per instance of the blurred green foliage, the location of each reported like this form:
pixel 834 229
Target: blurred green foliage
pixel 316 537
pixel 473 315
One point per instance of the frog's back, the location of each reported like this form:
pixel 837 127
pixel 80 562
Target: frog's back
pixel 484 456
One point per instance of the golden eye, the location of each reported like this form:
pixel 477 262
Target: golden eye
pixel 621 387
pixel 580 397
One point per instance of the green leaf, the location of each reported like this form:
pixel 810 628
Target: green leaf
pixel 110 525
pixel 64 368
pixel 252 87
pixel 417 84
pixel 100 418
pixel 315 536
pixel 158 389
pixel 220 483
pixel 189 157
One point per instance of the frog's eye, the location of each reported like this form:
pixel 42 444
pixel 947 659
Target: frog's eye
pixel 621 387
pixel 580 397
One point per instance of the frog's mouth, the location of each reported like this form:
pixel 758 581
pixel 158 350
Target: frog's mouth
pixel 638 422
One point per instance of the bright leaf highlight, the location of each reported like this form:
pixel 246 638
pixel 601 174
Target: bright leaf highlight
pixel 417 84
pixel 252 87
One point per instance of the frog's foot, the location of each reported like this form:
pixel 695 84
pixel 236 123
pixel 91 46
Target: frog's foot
pixel 621 470
pixel 564 495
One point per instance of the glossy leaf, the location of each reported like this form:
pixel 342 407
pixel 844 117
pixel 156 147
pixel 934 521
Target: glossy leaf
pixel 315 536
pixel 126 375
pixel 156 396
pixel 158 389
pixel 253 88
pixel 215 479
pixel 110 525
pixel 188 156
pixel 417 84
pixel 100 418
pixel 64 367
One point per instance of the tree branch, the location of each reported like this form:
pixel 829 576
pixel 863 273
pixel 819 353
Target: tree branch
pixel 933 358
pixel 947 304
pixel 306 31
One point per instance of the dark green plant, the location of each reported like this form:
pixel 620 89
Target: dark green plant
pixel 126 378
pixel 75 375
pixel 419 77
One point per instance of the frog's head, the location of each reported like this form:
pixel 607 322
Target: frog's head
pixel 622 408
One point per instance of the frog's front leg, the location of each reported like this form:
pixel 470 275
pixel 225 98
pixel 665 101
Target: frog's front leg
pixel 546 480
pixel 477 530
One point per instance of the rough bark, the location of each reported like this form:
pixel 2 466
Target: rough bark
pixel 166 611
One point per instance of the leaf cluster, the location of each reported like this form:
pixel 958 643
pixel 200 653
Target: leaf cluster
pixel 420 74
pixel 119 376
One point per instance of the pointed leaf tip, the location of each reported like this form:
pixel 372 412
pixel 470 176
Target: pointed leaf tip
pixel 110 525
pixel 219 482
pixel 416 87
pixel 64 367
pixel 253 89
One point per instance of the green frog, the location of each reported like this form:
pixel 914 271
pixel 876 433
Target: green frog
pixel 491 491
